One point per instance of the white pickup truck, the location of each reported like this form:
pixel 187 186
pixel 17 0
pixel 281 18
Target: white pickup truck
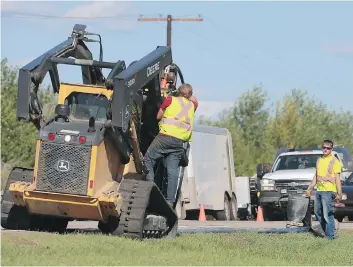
pixel 291 173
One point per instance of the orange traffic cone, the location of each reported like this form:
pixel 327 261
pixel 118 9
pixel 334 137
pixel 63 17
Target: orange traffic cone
pixel 202 215
pixel 260 215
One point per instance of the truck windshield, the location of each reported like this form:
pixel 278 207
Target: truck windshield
pixel 349 179
pixel 83 106
pixel 294 162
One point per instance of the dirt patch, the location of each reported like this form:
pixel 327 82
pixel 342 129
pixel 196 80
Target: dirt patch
pixel 18 239
pixel 349 232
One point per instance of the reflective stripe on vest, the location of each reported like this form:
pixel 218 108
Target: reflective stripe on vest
pixel 184 110
pixel 328 177
pixel 178 119
pixel 176 123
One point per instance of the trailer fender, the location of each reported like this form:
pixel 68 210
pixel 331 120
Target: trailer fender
pixel 229 194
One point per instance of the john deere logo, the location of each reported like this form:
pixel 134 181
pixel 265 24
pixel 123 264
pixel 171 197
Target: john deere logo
pixel 63 166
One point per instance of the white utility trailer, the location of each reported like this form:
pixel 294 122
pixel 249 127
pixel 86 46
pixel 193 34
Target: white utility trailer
pixel 209 178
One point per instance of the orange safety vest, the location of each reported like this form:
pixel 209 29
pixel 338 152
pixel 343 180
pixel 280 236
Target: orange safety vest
pixel 178 119
pixel 328 182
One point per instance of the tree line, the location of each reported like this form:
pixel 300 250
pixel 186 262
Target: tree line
pixel 18 138
pixel 257 133
pixel 298 119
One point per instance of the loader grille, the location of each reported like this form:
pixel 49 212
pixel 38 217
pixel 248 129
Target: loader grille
pixel 63 168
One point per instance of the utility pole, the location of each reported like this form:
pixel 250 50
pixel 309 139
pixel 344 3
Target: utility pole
pixel 169 19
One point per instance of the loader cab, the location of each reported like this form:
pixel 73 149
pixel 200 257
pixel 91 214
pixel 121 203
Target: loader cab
pixel 83 106
pixel 85 101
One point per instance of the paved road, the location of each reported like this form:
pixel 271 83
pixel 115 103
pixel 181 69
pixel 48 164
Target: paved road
pixel 187 226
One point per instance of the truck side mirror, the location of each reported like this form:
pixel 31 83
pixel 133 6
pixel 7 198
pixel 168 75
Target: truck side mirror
pixel 350 166
pixel 262 169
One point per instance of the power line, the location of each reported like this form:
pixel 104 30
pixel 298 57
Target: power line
pixel 169 19
pixel 45 16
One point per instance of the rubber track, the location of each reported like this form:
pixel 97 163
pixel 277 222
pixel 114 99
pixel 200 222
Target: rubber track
pixel 136 195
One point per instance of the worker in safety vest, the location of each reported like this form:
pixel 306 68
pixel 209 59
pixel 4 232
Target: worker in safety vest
pixel 176 115
pixel 328 182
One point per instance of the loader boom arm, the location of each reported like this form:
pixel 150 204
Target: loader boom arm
pixel 33 74
pixel 129 82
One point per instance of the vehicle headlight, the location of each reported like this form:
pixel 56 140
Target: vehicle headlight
pixel 267 182
pixel 267 185
pixel 344 197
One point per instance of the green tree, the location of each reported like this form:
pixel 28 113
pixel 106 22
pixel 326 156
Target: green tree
pixel 303 121
pixel 251 117
pixel 298 120
pixel 18 137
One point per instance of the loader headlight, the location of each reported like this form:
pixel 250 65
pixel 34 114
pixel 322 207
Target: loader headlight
pixel 67 138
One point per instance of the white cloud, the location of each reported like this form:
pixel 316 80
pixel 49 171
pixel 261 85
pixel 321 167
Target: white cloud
pixel 115 15
pixel 121 15
pixel 212 108
pixel 339 47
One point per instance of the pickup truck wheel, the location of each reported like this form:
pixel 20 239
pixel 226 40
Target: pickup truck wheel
pixel 268 213
pixel 340 218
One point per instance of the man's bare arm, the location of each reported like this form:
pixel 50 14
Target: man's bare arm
pixel 193 98
pixel 339 186
pixel 312 184
pixel 160 114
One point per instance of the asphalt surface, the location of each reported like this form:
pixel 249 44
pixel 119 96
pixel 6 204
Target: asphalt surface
pixel 197 226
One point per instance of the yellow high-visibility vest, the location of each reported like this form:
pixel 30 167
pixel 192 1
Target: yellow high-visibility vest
pixel 327 168
pixel 178 119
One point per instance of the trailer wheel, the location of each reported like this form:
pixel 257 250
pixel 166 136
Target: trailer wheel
pixel 224 215
pixel 234 209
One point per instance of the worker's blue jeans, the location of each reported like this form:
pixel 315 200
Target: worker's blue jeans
pixel 323 209
pixel 171 149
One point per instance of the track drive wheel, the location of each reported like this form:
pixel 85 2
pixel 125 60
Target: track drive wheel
pixel 110 226
pixel 48 224
pixel 15 217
